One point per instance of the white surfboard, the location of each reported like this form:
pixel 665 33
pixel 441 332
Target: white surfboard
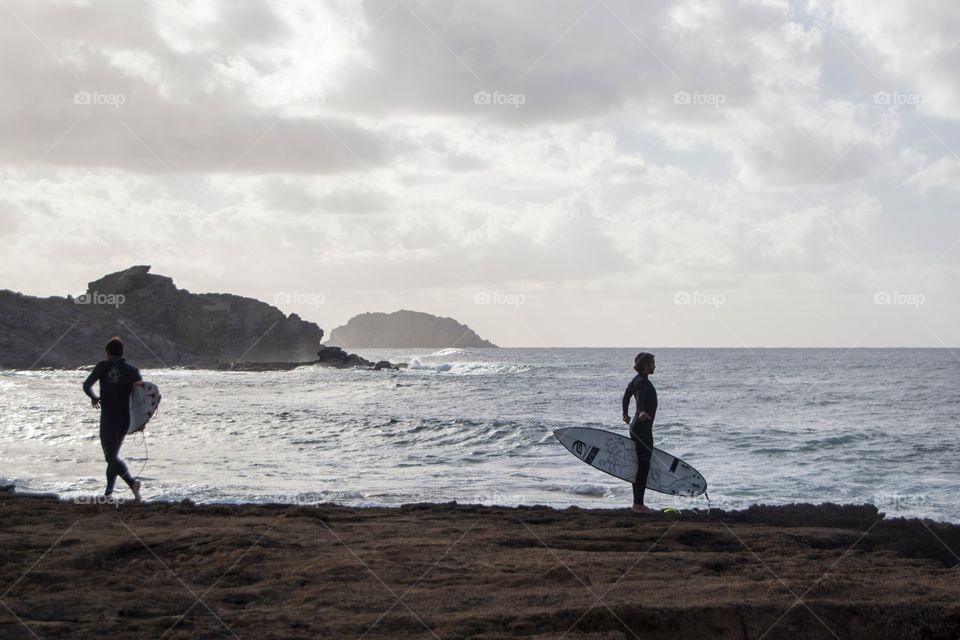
pixel 617 455
pixel 144 400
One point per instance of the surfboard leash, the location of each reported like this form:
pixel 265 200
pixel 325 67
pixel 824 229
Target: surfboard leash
pixel 146 452
pixel 146 455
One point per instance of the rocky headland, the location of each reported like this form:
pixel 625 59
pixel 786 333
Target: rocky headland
pixel 165 326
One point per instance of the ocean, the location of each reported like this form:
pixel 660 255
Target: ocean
pixel 769 426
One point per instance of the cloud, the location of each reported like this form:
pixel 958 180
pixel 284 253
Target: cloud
pixel 603 153
pixel 903 46
pixel 943 173
pixel 89 95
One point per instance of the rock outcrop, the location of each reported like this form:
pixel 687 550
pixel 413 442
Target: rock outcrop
pixel 404 328
pixel 337 357
pixel 160 324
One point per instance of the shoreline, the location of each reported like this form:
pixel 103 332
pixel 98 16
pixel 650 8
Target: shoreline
pixel 306 500
pixel 448 570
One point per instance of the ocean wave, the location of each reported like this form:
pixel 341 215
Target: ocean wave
pixel 495 438
pixel 450 351
pixel 582 490
pixel 773 451
pixel 468 368
pixel 832 442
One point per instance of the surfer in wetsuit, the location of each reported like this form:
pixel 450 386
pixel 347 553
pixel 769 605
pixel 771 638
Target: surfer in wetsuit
pixel 116 377
pixel 641 427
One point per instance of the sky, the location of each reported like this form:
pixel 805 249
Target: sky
pixel 552 173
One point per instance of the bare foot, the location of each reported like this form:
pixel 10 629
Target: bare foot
pixel 639 508
pixel 136 490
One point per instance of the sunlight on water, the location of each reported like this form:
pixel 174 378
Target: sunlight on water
pixel 763 426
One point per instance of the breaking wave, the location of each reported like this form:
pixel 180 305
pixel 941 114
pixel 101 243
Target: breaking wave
pixel 468 368
pixel 442 353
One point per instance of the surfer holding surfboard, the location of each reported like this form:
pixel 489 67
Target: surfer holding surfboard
pixel 641 427
pixel 635 459
pixel 116 377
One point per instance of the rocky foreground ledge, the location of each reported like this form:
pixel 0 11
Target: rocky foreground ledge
pixel 456 571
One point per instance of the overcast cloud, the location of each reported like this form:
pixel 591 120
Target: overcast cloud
pixel 552 173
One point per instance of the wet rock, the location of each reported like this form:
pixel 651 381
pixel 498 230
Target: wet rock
pixel 337 357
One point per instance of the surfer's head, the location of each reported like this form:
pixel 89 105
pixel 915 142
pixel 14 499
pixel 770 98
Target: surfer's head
pixel 115 347
pixel 644 363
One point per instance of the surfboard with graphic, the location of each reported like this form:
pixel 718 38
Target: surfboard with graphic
pixel 616 454
pixel 144 400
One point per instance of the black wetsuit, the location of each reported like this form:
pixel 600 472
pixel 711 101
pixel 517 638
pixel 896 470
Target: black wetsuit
pixel 641 390
pixel 116 377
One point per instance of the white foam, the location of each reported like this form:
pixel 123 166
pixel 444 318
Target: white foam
pixel 447 352
pixel 581 489
pixel 468 368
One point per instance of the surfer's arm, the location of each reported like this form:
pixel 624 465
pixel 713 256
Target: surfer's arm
pixel 88 384
pixel 626 398
pixel 642 388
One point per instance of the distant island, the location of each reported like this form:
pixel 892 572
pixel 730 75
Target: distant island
pixel 405 329
pixel 165 326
